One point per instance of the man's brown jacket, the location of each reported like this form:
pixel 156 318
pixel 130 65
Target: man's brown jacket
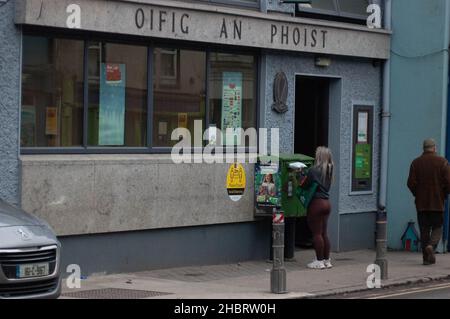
pixel 429 182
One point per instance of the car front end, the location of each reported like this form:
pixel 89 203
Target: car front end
pixel 29 257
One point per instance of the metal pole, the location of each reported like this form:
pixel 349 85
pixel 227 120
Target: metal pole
pixel 381 229
pixel 381 223
pixel 278 273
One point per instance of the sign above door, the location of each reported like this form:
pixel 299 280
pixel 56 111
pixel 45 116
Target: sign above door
pixel 208 24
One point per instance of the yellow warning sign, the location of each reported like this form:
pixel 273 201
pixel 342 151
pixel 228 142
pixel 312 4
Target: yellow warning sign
pixel 236 181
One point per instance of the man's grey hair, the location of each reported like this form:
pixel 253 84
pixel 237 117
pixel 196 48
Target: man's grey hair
pixel 429 144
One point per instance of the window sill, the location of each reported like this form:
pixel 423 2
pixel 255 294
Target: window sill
pixel 87 159
pixel 67 159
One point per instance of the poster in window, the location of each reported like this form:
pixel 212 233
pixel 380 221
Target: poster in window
pixel 232 106
pixel 51 121
pixel 182 120
pixel 162 128
pixel 112 104
pixel 212 134
pixel 363 124
pixel 363 161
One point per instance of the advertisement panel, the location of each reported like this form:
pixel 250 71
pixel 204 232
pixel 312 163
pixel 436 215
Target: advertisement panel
pixel 112 105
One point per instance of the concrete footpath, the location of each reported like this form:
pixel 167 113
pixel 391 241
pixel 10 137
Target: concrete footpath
pixel 251 280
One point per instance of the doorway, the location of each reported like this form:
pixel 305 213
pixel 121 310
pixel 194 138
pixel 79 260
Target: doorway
pixel 312 100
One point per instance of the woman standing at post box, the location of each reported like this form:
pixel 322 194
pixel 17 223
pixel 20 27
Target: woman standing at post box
pixel 319 208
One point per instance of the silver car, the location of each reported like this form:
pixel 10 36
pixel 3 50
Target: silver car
pixel 29 256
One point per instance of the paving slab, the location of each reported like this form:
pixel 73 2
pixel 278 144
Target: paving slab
pixel 251 279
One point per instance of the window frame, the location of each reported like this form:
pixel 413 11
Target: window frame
pixel 170 78
pixel 76 148
pixel 256 98
pixel 337 13
pixel 240 3
pixel 173 45
pixel 86 93
pixel 150 45
pixel 357 108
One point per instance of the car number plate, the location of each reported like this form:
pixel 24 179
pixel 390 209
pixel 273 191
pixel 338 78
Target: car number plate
pixel 32 270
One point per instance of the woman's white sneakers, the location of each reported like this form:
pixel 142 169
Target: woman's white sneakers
pixel 320 264
pixel 316 264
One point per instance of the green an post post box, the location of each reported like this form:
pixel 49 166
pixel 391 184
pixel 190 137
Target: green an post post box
pixel 283 192
pixel 290 203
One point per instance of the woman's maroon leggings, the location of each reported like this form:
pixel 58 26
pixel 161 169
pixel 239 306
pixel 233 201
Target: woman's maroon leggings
pixel 318 213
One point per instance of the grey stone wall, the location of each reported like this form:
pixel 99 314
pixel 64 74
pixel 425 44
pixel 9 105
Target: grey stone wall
pixel 87 194
pixel 167 248
pixel 10 39
pixel 361 81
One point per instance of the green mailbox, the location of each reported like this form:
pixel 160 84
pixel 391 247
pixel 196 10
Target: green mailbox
pixel 290 204
pixel 275 187
pixel 276 184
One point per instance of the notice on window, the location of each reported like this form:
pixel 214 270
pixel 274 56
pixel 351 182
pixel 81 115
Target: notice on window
pixel 232 106
pixel 112 105
pixel 162 128
pixel 51 121
pixel 363 125
pixel 212 134
pixel 363 169
pixel 182 120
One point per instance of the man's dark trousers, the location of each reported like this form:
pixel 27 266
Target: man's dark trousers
pixel 431 226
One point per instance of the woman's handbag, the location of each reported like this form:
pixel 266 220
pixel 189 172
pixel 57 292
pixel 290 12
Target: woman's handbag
pixel 306 194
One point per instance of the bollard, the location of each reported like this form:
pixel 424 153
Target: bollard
pixel 278 273
pixel 382 242
pixel 289 238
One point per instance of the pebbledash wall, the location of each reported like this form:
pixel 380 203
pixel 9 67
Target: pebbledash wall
pixel 10 45
pixel 352 80
pixel 119 212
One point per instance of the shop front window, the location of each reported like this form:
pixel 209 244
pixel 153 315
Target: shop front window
pixel 354 7
pixel 328 5
pixel 52 86
pixel 232 103
pixel 240 3
pixel 169 65
pixel 179 91
pixel 89 96
pixel 117 112
pixel 345 10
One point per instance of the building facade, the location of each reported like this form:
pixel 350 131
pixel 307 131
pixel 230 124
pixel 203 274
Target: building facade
pixel 92 91
pixel 419 95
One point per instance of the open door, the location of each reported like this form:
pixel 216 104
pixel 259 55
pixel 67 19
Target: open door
pixel 311 130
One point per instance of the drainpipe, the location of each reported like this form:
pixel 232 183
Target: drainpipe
pixel 381 223
pixel 446 123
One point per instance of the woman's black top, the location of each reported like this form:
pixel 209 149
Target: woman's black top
pixel 323 189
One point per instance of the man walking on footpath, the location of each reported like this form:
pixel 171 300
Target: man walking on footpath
pixel 429 182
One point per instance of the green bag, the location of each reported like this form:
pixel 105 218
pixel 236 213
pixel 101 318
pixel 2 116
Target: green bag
pixel 305 195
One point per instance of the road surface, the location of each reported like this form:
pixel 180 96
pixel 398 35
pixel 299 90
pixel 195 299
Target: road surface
pixel 432 290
